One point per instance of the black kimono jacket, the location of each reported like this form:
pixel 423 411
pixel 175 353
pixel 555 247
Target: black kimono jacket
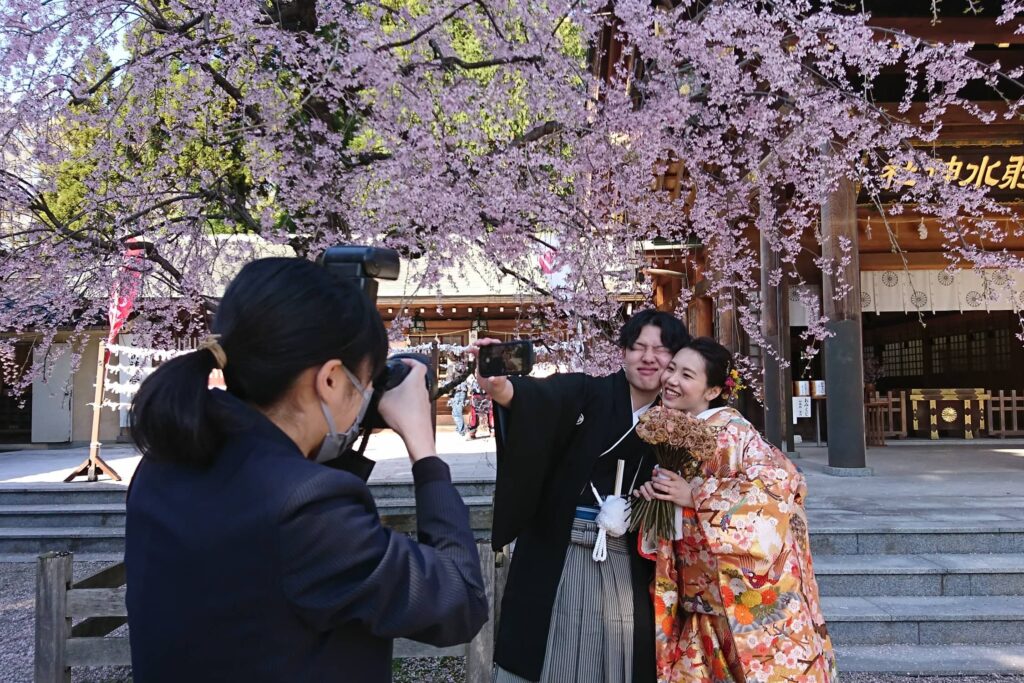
pixel 549 442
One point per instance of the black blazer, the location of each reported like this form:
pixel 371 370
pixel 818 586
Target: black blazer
pixel 266 566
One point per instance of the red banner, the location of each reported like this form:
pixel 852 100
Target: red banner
pixel 124 291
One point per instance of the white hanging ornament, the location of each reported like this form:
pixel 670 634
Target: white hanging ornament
pixel 613 519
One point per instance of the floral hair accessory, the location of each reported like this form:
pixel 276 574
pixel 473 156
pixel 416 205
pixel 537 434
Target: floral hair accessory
pixel 733 385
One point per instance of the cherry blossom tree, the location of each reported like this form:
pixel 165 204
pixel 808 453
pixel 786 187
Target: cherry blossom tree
pixel 464 133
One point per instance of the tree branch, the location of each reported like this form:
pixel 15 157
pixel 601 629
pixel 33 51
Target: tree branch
pixel 233 92
pixel 425 30
pixel 449 62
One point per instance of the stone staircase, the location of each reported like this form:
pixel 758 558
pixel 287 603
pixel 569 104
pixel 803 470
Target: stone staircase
pixel 88 519
pixel 928 593
pixel 923 595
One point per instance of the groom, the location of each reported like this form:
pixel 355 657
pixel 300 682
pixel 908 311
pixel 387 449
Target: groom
pixel 564 616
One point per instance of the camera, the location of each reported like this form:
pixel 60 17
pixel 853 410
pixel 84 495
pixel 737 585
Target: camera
pixel 363 266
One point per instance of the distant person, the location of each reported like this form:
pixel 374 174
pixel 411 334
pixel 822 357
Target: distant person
pixel 480 409
pixel 566 617
pixel 457 403
pixel 735 595
pixel 248 561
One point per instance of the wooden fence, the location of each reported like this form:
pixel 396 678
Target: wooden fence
pixel 894 413
pixel 1006 414
pixel 97 605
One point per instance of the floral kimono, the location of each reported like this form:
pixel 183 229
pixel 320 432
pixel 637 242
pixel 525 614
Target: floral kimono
pixel 735 597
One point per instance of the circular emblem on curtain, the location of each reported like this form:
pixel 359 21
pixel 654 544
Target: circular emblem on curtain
pixel 794 294
pixel 865 299
pixel 949 415
pixel 974 299
pixel 1000 277
pixel 945 279
pixel 890 279
pixel 919 299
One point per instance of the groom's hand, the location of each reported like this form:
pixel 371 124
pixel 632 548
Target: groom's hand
pixel 498 388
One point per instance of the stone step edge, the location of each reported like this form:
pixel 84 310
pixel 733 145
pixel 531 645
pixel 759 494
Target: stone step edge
pixel 891 608
pixel 929 564
pixel 58 487
pixel 61 532
pixel 936 660
pixel 91 557
pixel 83 486
pixel 52 509
pixel 1008 527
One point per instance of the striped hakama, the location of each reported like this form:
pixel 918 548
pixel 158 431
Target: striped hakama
pixel 590 639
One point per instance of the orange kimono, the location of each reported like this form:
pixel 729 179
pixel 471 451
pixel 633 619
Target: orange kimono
pixel 735 597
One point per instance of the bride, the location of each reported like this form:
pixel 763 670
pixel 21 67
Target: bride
pixel 735 597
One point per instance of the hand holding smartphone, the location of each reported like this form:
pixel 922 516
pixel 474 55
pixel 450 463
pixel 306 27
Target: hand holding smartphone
pixel 509 358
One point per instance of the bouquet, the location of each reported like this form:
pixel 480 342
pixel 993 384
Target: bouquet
pixel 682 443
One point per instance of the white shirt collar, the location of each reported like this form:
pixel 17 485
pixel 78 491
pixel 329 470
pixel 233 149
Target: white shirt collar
pixel 710 411
pixel 640 411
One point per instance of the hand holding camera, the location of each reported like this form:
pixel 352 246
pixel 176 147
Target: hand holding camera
pixel 406 408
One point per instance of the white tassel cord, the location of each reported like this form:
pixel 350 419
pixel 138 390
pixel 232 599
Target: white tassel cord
pixel 613 519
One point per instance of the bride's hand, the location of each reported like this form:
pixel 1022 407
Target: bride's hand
pixel 667 485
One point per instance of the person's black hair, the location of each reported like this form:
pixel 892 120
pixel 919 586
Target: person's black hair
pixel 278 317
pixel 673 333
pixel 717 365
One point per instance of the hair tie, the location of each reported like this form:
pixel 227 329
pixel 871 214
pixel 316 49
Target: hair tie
pixel 212 344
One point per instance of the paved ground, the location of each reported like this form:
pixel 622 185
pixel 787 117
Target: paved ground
pixel 468 459
pixel 981 482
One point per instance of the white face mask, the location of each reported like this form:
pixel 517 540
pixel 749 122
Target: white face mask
pixel 334 443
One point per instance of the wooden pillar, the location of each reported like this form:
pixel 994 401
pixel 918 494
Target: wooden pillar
pixel 773 300
pixel 728 325
pixel 701 317
pixel 480 651
pixel 843 352
pixel 435 370
pixel 53 623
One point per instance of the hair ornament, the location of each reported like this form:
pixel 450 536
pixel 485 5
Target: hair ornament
pixel 733 385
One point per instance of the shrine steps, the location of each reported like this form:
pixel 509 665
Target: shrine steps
pixel 923 575
pixel 89 519
pixel 917 536
pixel 922 594
pixel 932 660
pixel 932 620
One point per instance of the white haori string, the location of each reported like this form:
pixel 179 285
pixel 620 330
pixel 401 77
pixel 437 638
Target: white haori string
pixel 613 518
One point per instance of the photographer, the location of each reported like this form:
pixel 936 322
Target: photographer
pixel 248 561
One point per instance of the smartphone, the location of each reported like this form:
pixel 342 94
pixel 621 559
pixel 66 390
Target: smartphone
pixel 510 358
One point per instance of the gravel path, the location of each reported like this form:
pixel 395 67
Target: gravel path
pixel 17 587
pixel 17 628
pixel 891 678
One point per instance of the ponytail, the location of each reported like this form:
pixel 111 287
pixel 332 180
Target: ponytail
pixel 170 416
pixel 278 318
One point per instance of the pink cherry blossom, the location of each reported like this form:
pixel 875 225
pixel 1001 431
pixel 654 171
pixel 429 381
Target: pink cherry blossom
pixel 467 134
